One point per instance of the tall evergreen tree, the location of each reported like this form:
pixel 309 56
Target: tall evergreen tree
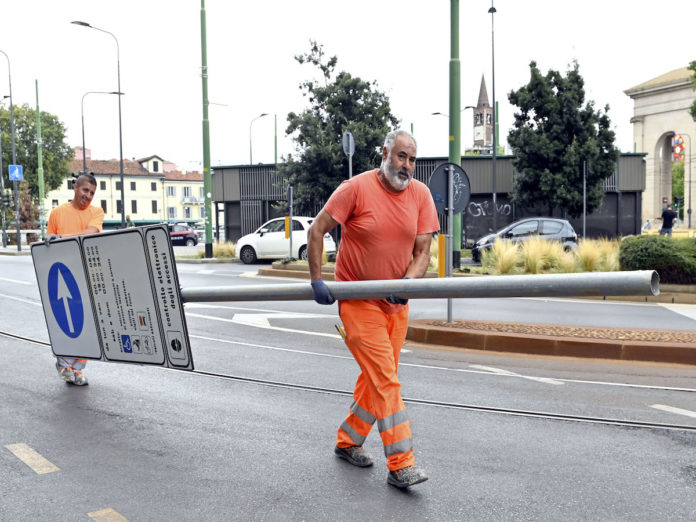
pixel 342 103
pixel 554 132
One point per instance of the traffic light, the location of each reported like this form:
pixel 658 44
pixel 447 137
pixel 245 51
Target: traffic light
pixel 7 200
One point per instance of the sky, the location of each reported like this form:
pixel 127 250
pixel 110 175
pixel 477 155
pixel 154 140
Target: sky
pixel 403 45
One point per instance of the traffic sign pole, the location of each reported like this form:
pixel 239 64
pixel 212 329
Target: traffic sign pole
pixel 2 205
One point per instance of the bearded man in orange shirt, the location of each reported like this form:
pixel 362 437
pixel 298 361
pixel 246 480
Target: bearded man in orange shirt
pixel 387 221
pixel 75 218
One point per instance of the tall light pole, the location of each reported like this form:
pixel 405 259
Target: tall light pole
pixel 15 184
pixel 2 188
pixel 207 175
pixel 492 10
pixel 252 121
pixel 82 114
pixel 120 131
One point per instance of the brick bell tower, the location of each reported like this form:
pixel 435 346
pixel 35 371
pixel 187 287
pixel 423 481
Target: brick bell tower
pixel 483 121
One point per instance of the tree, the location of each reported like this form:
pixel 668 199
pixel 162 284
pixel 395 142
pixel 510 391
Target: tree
pixel 554 132
pixel 56 153
pixel 340 104
pixel 692 67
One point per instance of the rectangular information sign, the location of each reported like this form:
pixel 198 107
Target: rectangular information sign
pixel 131 297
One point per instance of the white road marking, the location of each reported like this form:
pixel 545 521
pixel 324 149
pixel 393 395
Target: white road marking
pixel 672 409
pixel 16 281
pixel 20 299
pixel 204 271
pixel 32 458
pixel 684 309
pixel 499 371
pixel 107 515
pixel 258 325
pixel 266 347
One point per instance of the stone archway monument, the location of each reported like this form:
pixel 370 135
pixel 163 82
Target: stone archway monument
pixel 661 110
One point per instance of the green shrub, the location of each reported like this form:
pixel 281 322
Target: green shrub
pixel 673 259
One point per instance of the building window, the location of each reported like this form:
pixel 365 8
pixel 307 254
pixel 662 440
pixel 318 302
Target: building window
pixel 71 182
pixel 171 212
pixel 102 185
pixel 186 192
pixel 202 192
pixel 118 185
pixel 132 185
pixel 54 203
pixel 154 206
pixel 118 207
pixel 187 212
pixel 134 207
pixel 201 212
pixel 171 191
pixel 488 118
pixel 153 186
pixel 478 119
pixel 103 205
pixel 155 166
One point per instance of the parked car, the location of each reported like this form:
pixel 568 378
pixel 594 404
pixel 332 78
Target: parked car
pixel 546 228
pixel 269 242
pixel 181 234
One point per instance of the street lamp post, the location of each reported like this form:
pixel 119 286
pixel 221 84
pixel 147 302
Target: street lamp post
pixel 252 121
pixel 82 114
pixel 2 189
pixel 492 10
pixel 120 131
pixel 15 184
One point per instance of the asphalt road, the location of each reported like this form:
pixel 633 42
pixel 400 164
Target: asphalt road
pixel 155 444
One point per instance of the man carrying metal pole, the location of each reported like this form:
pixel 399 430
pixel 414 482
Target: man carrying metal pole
pixel 387 219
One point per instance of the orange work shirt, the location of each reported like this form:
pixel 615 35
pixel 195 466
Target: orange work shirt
pixel 66 219
pixel 379 228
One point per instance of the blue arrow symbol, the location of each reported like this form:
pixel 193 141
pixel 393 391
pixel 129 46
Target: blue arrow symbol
pixel 63 294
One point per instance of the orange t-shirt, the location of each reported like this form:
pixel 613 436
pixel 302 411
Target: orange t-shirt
pixel 66 219
pixel 379 228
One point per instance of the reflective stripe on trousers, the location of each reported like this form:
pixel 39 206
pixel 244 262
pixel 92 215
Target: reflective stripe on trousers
pixel 375 339
pixel 76 364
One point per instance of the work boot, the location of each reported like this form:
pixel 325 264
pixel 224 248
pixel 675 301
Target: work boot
pixel 405 477
pixel 65 372
pixel 79 379
pixel 356 455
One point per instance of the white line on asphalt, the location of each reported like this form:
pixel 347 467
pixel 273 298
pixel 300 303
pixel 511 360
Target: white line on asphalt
pixel 686 310
pixel 247 309
pixel 672 409
pixel 20 299
pixel 499 371
pixel 205 271
pixel 16 281
pixel 32 458
pixel 266 347
pixel 258 325
pixel 107 515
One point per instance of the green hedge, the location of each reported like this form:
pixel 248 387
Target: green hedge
pixel 674 259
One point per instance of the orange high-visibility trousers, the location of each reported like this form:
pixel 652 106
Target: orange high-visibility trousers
pixel 375 339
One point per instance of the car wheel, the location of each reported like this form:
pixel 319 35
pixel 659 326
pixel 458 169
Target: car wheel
pixel 190 242
pixel 303 253
pixel 247 255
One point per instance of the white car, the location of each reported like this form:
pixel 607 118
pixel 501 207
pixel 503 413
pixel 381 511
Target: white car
pixel 269 241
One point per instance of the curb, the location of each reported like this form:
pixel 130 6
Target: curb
pixel 421 331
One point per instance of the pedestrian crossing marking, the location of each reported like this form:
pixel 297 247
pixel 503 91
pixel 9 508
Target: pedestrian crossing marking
pixel 107 515
pixel 32 459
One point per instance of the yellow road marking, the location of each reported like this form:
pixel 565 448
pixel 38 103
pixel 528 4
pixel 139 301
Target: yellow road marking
pixel 107 515
pixel 32 459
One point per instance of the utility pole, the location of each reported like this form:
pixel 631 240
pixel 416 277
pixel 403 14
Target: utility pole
pixel 206 139
pixel 39 145
pixel 455 148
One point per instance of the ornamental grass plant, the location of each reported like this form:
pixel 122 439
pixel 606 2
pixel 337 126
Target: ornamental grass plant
pixel 539 255
pixel 502 258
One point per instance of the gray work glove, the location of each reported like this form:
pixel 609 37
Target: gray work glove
pixel 51 237
pixel 397 300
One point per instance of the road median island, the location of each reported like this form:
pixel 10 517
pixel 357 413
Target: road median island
pixel 670 346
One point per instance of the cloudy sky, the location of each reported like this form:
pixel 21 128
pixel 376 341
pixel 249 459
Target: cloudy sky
pixel 404 45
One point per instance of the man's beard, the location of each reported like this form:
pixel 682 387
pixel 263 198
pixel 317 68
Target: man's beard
pixel 392 175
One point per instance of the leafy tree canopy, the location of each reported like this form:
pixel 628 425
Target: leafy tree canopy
pixel 554 132
pixel 343 102
pixel 692 67
pixel 55 152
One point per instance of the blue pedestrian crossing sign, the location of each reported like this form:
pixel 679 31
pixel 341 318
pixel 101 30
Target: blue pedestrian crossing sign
pixel 65 299
pixel 16 173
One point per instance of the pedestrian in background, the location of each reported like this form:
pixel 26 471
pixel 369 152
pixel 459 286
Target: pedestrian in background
pixel 75 218
pixel 668 218
pixel 387 219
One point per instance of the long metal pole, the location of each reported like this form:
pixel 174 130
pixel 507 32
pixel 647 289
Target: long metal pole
pixel 2 194
pixel 590 284
pixel 39 159
pixel 492 10
pixel 207 179
pixel 450 230
pixel 455 142
pixel 15 184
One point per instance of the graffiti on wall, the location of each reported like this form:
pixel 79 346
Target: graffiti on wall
pixel 485 208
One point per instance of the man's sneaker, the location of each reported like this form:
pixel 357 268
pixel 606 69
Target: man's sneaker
pixel 405 477
pixel 79 379
pixel 65 372
pixel 356 455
